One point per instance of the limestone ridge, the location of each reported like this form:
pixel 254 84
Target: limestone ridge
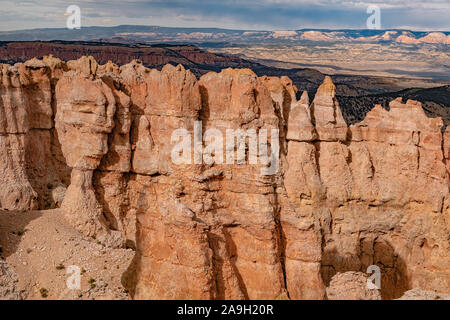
pixel 345 198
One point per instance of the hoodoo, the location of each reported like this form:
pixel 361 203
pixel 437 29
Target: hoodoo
pixel 96 140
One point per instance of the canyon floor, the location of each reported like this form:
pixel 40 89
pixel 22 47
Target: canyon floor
pixel 41 245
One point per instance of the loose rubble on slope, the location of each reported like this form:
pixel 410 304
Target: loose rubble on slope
pixel 96 140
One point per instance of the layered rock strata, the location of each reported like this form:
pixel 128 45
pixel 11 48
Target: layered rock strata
pixel 342 198
pixel 33 170
pixel 8 282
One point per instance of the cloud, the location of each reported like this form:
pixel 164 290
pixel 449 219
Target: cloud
pixel 236 14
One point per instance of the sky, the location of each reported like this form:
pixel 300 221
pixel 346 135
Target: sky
pixel 418 15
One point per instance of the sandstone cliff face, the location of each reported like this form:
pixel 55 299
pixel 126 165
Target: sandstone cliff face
pixel 154 56
pixel 342 199
pixel 33 169
pixel 351 285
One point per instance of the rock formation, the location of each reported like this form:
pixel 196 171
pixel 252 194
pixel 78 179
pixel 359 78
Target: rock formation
pixel 351 285
pixel 418 294
pixel 32 166
pixel 8 282
pixel 343 198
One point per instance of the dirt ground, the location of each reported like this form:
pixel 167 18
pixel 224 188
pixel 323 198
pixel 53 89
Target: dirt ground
pixel 40 246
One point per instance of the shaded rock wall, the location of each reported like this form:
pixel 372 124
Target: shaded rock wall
pixel 343 198
pixel 33 169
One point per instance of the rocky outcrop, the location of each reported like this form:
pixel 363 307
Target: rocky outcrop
pixel 32 166
pixel 326 114
pixel 337 199
pixel 151 56
pixel 351 285
pixel 8 282
pixel 418 294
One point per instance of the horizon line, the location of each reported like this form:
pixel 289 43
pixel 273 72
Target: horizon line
pixel 245 30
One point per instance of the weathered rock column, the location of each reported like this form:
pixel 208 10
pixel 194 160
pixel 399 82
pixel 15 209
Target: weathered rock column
pixel 84 118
